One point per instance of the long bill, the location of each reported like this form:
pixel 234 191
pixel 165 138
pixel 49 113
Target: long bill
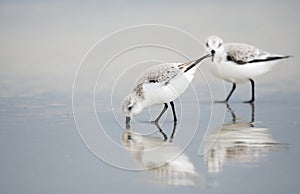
pixel 197 61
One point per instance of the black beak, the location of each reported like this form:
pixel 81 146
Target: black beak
pixel 196 62
pixel 202 58
pixel 127 120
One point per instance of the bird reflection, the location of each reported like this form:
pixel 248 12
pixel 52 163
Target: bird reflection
pixel 165 161
pixel 237 142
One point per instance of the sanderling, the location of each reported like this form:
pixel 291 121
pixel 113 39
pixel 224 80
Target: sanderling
pixel 238 62
pixel 160 84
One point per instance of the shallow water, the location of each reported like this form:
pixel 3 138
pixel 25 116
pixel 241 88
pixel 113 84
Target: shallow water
pixel 53 142
pixel 42 151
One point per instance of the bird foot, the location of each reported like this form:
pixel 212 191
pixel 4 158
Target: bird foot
pixel 249 101
pixel 155 122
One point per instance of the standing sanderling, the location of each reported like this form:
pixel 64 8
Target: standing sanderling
pixel 160 84
pixel 239 63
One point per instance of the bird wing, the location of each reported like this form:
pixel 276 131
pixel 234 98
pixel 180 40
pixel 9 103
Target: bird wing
pixel 162 73
pixel 244 53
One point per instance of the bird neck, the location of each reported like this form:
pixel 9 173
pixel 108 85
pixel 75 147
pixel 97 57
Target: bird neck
pixel 218 58
pixel 220 55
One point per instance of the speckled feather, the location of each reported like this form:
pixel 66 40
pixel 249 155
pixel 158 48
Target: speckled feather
pixel 161 73
pixel 243 53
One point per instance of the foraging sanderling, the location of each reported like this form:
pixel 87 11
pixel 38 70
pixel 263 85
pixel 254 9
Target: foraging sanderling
pixel 238 62
pixel 160 84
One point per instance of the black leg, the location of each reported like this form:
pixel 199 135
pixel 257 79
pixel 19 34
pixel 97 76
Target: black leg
pixel 232 113
pixel 252 91
pixel 229 95
pixel 252 114
pixel 232 90
pixel 173 110
pixel 161 131
pixel 162 112
pixel 173 132
pixel 164 134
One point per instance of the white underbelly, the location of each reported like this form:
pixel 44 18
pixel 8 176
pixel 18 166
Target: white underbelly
pixel 232 72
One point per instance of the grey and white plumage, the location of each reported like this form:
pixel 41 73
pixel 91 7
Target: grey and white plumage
pixel 243 53
pixel 239 62
pixel 160 84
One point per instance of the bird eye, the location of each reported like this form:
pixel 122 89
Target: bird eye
pixel 207 44
pixel 129 108
pixel 220 44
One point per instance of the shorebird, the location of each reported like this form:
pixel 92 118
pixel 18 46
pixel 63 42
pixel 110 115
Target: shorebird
pixel 160 84
pixel 238 62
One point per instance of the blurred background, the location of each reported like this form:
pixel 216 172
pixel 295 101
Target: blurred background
pixel 43 45
pixel 43 42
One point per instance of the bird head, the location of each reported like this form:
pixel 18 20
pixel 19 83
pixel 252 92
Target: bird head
pixel 131 106
pixel 214 45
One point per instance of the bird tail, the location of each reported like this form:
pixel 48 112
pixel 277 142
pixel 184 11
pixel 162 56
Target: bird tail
pixel 271 58
pixel 277 57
